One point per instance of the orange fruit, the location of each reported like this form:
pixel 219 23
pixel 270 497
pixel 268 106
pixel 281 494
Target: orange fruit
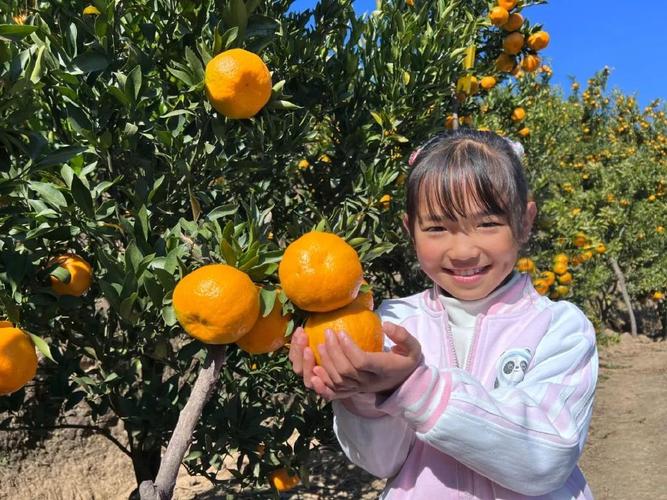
pixel 216 304
pixel 525 265
pixel 539 40
pixel 449 122
pixel 507 4
pixel 357 321
pixel 561 257
pixel 238 83
pixel 513 23
pixel 498 16
pixel 600 248
pixel 541 286
pixel 658 296
pixel 80 275
pixel 320 272
pixel 467 85
pixel 385 201
pixel 548 277
pixel 91 10
pixel 18 361
pixel 560 267
pixel 562 290
pixel 487 83
pixel 505 63
pixel 365 298
pixel 518 114
pixel 580 240
pixel 513 43
pixel 524 132
pixel 530 63
pixel 268 332
pixel 565 278
pixel 283 480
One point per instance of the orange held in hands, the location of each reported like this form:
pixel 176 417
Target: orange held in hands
pixel 80 275
pixel 268 333
pixel 360 324
pixel 216 304
pixel 238 83
pixel 18 361
pixel 320 272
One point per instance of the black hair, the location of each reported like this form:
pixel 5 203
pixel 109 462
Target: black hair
pixel 464 168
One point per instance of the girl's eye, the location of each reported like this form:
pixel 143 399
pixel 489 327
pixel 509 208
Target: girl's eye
pixel 490 223
pixel 433 229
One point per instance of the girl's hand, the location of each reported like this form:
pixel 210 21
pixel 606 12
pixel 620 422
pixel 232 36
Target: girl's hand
pixel 346 370
pixel 301 356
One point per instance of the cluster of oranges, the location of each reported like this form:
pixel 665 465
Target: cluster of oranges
pixel 506 16
pixel 18 359
pixel 320 273
pixel 556 282
pixel 518 116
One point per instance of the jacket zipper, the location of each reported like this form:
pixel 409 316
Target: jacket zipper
pixel 473 344
pixel 450 341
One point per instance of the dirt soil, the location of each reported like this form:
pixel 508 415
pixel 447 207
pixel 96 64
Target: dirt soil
pixel 624 458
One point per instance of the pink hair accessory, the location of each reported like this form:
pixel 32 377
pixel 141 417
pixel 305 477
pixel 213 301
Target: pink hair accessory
pixel 413 156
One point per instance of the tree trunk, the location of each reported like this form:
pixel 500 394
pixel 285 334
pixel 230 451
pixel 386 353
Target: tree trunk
pixel 626 296
pixel 163 486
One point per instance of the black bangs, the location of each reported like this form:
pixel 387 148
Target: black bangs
pixel 469 173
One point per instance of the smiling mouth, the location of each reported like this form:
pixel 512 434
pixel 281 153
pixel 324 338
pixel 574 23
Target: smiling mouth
pixel 467 272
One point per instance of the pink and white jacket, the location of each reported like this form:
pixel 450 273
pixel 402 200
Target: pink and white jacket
pixel 509 422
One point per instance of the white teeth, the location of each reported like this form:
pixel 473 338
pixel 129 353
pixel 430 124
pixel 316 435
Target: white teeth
pixel 467 272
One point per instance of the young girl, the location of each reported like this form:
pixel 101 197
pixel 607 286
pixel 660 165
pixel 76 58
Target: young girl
pixel 485 388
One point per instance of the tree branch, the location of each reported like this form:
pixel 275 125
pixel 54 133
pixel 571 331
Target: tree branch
pixel 626 296
pixel 163 486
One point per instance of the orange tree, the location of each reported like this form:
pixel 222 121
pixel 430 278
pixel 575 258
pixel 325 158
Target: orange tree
pixel 110 150
pixel 596 163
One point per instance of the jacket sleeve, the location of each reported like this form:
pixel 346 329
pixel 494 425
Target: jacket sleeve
pixel 526 437
pixel 376 442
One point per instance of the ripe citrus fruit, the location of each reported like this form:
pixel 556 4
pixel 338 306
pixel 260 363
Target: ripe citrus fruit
pixel 268 332
pixel 525 265
pixel 561 257
pixel 505 63
pixel 548 277
pixel 530 63
pixel 565 278
pixel 514 22
pixel 513 43
pixel 216 303
pixel 541 286
pixel 18 361
pixel 320 272
pixel 283 480
pixel 524 132
pixel 498 16
pixel 560 267
pixel 518 114
pixel 507 4
pixel 359 323
pixel 365 298
pixel 538 41
pixel 238 83
pixel 80 275
pixel 487 83
pixel 580 240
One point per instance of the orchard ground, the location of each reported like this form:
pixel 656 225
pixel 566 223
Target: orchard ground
pixel 623 457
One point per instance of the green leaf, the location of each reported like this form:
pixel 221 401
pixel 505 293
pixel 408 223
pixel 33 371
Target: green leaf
pixel 126 306
pixel 169 316
pixel 195 64
pixel 36 73
pixel 267 300
pixel 235 14
pixel 228 253
pixel 41 346
pixel 49 194
pixel 82 197
pixel 14 32
pixel 154 291
pixel 10 308
pixel 91 62
pixel 133 84
pixel 60 156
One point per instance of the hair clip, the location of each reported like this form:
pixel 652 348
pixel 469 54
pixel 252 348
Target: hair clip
pixel 517 147
pixel 413 156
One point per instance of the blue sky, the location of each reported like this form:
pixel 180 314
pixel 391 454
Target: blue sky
pixel 586 35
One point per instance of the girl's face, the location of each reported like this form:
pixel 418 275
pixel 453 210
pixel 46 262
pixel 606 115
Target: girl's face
pixel 469 257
